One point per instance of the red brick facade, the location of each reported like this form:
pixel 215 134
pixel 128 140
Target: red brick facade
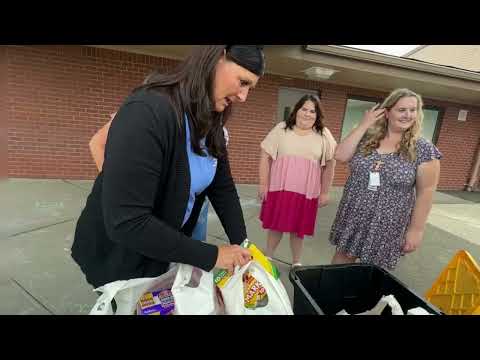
pixel 3 112
pixel 59 96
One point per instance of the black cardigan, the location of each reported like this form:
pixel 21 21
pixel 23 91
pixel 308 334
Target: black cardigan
pixel 131 226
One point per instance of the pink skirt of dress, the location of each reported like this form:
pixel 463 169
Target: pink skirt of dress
pixel 289 212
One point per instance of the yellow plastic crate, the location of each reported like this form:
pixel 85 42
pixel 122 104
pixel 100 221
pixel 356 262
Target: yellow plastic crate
pixel 457 289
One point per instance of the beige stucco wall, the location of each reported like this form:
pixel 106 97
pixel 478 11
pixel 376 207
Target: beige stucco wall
pixel 461 56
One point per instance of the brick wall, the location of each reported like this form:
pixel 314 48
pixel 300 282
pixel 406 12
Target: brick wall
pixel 59 96
pixel 3 112
pixel 458 142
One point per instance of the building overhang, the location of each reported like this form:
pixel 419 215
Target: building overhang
pixel 352 68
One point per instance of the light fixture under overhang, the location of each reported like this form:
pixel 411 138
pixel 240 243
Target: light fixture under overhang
pixel 317 72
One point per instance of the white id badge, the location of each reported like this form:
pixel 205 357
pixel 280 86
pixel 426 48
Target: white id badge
pixel 374 179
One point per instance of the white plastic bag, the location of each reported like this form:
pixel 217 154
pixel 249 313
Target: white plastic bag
pixel 193 291
pixel 233 293
pixel 381 305
pixel 418 311
pixel 394 305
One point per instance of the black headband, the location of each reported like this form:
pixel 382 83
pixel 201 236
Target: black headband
pixel 250 57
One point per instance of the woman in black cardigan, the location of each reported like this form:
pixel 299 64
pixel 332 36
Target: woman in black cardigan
pixel 146 201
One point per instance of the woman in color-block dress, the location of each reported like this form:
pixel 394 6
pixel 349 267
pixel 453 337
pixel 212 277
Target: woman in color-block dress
pixel 296 171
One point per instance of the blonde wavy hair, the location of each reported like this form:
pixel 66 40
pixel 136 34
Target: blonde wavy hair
pixel 409 138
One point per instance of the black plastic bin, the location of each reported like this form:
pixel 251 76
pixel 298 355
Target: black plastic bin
pixel 328 289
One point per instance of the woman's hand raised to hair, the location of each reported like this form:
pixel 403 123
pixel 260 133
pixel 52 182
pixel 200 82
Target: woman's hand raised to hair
pixel 372 116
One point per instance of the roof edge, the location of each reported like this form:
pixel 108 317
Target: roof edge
pixel 414 51
pixel 391 60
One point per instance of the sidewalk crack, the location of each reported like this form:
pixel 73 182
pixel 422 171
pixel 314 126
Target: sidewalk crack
pixel 40 228
pixel 31 296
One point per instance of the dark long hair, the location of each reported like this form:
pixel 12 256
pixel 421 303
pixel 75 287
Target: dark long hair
pixel 190 89
pixel 320 113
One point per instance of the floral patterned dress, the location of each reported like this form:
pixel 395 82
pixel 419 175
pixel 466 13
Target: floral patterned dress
pixel 371 225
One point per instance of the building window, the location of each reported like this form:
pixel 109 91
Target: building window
pixel 356 108
pixel 432 119
pixel 287 98
pixel 354 114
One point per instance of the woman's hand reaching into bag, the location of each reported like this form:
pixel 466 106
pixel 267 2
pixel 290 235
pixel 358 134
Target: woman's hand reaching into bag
pixel 230 256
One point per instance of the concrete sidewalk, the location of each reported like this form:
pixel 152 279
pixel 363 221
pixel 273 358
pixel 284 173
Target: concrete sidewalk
pixel 38 218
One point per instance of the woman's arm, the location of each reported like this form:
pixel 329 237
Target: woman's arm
pixel 346 149
pixel 264 174
pixel 428 174
pixel 326 181
pixel 97 145
pixel 131 174
pixel 223 195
